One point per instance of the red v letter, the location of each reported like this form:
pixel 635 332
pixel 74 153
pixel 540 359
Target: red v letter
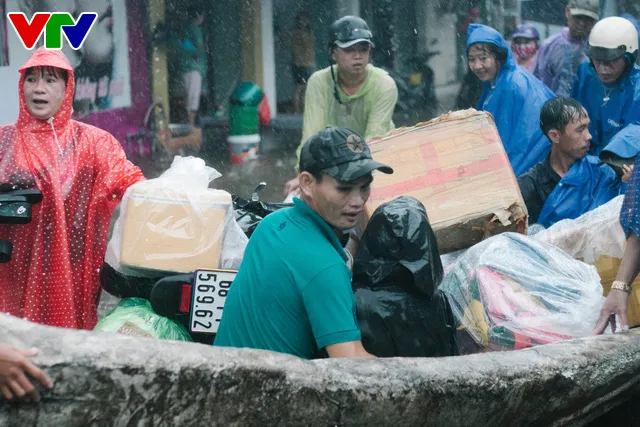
pixel 28 32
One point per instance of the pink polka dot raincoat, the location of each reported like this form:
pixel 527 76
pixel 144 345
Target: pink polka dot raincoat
pixel 82 173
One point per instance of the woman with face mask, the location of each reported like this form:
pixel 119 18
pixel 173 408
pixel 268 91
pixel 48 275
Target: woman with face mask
pixel 525 42
pixel 512 95
pixel 82 173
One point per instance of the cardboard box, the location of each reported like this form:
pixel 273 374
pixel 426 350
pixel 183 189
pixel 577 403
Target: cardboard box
pixel 174 231
pixel 457 167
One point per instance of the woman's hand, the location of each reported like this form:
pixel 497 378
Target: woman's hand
pixel 627 173
pixel 16 370
pixel 616 304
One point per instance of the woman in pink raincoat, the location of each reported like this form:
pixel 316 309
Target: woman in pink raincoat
pixel 82 173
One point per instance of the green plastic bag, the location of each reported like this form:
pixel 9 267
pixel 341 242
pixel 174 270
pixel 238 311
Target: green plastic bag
pixel 135 317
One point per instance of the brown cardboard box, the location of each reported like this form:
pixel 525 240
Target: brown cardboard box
pixel 173 231
pixel 457 167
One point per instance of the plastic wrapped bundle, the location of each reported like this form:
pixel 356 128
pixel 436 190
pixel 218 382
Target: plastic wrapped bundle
pixel 171 224
pixel 396 273
pixel 135 317
pixel 512 292
pixel 593 235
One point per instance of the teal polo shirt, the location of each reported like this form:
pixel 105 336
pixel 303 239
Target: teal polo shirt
pixel 293 290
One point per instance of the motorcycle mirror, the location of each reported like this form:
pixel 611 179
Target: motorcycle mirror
pixel 255 197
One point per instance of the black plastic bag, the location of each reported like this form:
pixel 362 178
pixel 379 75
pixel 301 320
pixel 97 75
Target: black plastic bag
pixel 397 271
pixel 249 213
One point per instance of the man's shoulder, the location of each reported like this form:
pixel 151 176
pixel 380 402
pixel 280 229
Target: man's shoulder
pixel 320 76
pixel 555 39
pixel 538 172
pixel 382 78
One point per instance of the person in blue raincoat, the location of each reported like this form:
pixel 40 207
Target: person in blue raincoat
pixel 608 84
pixel 512 95
pixel 568 183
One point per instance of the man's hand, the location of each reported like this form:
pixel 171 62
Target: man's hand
pixel 627 173
pixel 14 368
pixel 291 186
pixel 348 349
pixel 616 304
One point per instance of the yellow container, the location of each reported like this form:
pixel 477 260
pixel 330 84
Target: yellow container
pixel 607 269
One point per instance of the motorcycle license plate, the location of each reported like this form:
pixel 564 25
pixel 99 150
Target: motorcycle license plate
pixel 208 295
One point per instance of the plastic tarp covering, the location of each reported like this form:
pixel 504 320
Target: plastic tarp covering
pixel 135 317
pixel 189 226
pixel 593 235
pixel 511 292
pixel 396 274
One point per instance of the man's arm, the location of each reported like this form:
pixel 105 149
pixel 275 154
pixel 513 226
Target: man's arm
pixel 117 173
pixel 331 306
pixel 380 120
pixel 348 349
pixel 617 301
pixel 315 110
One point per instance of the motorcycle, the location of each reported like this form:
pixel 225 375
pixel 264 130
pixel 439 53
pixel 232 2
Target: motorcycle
pixel 417 100
pixel 196 300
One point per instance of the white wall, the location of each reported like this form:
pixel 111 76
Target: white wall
pixel 268 55
pixel 348 7
pixel 9 75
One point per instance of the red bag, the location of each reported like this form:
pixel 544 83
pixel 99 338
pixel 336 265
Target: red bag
pixel 264 112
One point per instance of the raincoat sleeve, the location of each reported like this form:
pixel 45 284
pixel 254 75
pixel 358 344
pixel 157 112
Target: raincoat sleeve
pixel 380 118
pixel 116 172
pixel 540 69
pixel 517 115
pixel 315 110
pixel 630 212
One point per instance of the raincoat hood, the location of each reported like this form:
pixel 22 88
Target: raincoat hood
pixel 47 58
pixel 478 33
pixel 399 248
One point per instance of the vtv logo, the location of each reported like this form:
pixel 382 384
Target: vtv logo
pixel 54 26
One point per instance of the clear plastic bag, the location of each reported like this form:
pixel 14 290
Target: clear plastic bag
pixel 593 235
pixel 135 317
pixel 176 223
pixel 512 292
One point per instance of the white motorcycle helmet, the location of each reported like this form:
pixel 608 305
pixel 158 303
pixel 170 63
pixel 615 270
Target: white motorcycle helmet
pixel 612 38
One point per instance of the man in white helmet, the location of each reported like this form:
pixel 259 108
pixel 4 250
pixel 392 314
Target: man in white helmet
pixel 608 84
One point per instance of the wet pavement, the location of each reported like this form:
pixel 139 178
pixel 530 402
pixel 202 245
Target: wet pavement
pixel 275 165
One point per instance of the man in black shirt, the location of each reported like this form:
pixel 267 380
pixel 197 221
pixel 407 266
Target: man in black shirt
pixel 568 183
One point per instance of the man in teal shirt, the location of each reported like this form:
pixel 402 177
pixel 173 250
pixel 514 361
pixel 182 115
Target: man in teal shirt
pixel 293 291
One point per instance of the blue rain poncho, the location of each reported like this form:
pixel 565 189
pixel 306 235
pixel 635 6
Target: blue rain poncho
pixel 585 187
pixel 515 100
pixel 608 116
pixel 626 143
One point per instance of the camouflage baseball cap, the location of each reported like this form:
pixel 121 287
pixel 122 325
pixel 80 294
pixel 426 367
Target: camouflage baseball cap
pixel 340 153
